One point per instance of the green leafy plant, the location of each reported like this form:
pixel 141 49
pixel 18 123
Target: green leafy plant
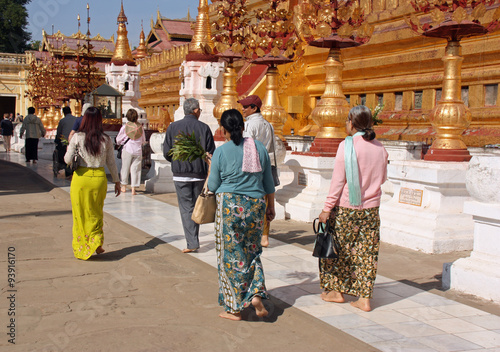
pixel 64 141
pixel 376 111
pixel 187 148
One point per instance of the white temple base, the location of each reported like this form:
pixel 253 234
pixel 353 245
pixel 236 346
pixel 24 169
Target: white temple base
pixel 160 177
pixel 303 191
pixel 478 274
pixel 426 211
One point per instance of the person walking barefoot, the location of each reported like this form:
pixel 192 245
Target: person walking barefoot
pixel 352 209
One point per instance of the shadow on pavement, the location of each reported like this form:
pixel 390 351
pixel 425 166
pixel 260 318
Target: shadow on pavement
pixel 122 253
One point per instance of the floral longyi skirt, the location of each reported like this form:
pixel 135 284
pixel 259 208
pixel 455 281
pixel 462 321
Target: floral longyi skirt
pixel 239 221
pixel 354 272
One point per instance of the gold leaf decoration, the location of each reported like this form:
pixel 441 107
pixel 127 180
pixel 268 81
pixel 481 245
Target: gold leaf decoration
pixel 357 13
pixel 343 13
pixel 260 52
pixel 324 30
pixel 479 12
pixel 459 15
pixel 221 47
pixel 437 16
pixel 496 14
pixel 325 15
pixel 345 30
pixel 365 30
pixel 275 52
pixel 237 48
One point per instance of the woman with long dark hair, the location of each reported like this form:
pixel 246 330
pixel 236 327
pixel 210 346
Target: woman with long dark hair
pixel 240 175
pixel 89 184
pixel 352 207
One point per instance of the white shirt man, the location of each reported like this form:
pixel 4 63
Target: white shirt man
pixel 256 126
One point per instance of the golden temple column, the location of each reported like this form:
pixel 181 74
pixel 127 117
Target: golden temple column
pixel 229 95
pixel 450 117
pixel 49 118
pixel 271 107
pixel 331 111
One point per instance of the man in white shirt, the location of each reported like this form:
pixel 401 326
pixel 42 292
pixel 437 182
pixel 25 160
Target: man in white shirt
pixel 258 128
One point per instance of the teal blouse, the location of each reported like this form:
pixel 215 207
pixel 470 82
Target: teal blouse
pixel 226 175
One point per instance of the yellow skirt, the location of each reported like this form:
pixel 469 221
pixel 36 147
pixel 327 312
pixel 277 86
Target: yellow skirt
pixel 88 191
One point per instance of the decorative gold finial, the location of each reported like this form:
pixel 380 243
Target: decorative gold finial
pixel 122 54
pixel 141 49
pixel 202 40
pixel 121 16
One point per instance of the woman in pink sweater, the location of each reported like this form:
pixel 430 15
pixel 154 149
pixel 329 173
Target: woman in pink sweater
pixel 352 206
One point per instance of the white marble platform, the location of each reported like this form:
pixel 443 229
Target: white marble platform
pixel 404 318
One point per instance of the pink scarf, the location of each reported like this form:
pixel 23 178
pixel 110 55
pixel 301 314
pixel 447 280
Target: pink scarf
pixel 251 161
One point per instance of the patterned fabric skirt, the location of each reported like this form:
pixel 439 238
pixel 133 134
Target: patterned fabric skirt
pixel 88 191
pixel 354 272
pixel 239 221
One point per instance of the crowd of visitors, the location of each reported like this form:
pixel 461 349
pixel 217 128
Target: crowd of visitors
pixel 239 173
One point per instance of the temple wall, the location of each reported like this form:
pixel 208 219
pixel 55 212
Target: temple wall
pixel 160 83
pixel 13 78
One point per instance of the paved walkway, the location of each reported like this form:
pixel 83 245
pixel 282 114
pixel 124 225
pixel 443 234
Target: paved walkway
pixel 405 318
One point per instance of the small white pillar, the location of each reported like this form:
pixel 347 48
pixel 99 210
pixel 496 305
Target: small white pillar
pixel 426 210
pixel 304 187
pixel 160 177
pixel 479 274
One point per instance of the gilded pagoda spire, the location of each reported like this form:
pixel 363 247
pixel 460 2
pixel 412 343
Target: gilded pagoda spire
pixel 122 54
pixel 142 50
pixel 202 40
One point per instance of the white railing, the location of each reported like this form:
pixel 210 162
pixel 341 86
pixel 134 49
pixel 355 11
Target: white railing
pixel 13 59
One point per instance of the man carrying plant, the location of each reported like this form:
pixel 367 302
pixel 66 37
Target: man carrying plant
pixel 62 136
pixel 189 169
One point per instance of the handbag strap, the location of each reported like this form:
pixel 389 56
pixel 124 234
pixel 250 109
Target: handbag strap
pixel 318 227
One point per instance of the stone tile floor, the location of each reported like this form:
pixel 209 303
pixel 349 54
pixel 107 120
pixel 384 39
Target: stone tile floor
pixel 405 318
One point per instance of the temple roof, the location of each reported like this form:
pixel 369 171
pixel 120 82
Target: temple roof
pixel 58 43
pixel 167 33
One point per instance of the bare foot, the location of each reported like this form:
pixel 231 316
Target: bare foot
pixel 230 316
pixel 187 250
pixel 124 189
pixel 264 242
pixel 100 250
pixel 133 191
pixel 34 161
pixel 332 296
pixel 259 307
pixel 363 304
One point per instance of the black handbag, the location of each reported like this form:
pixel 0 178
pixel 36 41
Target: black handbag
pixel 325 245
pixel 75 161
pixel 119 149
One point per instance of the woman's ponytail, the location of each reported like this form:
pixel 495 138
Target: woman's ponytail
pixel 232 121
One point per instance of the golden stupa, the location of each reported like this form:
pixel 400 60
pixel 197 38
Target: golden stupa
pixel 141 51
pixel 122 54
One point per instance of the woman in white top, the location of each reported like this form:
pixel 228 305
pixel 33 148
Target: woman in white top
pixel 132 136
pixel 89 184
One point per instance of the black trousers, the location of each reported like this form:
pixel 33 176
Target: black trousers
pixel 31 149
